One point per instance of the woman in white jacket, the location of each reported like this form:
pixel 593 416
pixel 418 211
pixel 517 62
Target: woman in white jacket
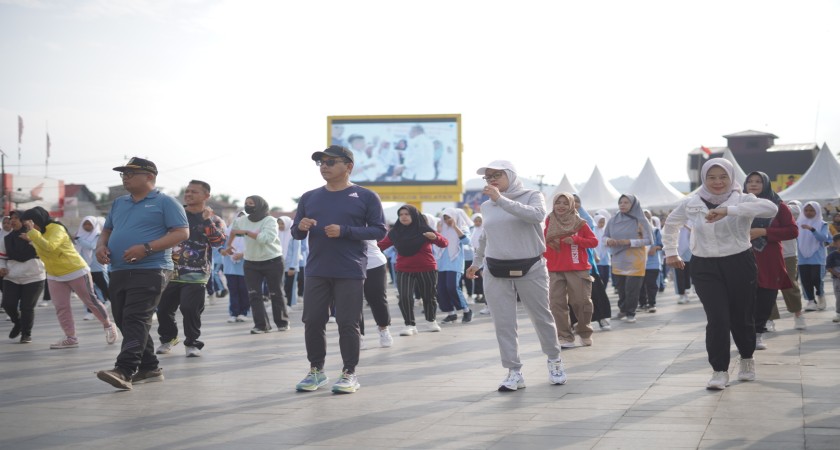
pixel 723 266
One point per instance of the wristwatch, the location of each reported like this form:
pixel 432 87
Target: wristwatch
pixel 148 248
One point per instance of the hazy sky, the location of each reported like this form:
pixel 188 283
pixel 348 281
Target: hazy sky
pixel 237 92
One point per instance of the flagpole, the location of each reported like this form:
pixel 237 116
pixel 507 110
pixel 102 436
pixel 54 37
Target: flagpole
pixel 3 180
pixel 47 160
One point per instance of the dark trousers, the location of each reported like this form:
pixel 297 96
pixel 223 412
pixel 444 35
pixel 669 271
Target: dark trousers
pixel 100 282
pixel 683 277
pixel 726 287
pixel 134 296
pixel 765 299
pixel 239 304
pixel 346 294
pixel 450 296
pixel 301 279
pixel 629 288
pixel 407 282
pixel 270 271
pixel 376 297
pixel 19 302
pixel 811 277
pixel 647 294
pixel 190 298
pixel 604 273
pixel 288 285
pixel 466 282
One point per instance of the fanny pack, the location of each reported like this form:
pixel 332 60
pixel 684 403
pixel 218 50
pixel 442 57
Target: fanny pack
pixel 510 268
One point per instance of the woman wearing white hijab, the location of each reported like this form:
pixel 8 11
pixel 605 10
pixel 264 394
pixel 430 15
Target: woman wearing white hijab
pixel 86 237
pixel 813 236
pixel 723 267
pixel 475 234
pixel 455 227
pixel 511 251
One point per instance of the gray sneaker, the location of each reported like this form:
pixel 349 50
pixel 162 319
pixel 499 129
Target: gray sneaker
pixel 346 384
pixel 312 381
pixel 166 347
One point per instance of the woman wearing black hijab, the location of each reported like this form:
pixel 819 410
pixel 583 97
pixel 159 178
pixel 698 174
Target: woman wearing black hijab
pixel 263 263
pixel 766 236
pixel 23 280
pixel 413 238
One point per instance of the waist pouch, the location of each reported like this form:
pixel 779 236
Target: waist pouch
pixel 510 268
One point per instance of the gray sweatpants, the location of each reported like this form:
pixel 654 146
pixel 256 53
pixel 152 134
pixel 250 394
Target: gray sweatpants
pixel 501 293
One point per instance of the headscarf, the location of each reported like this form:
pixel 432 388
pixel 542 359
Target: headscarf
pixel 795 208
pixel 657 222
pixel 808 244
pixel 462 222
pixel 603 213
pixel 705 194
pixel 409 239
pixel 88 236
pixel 766 193
pixel 18 249
pixel 561 226
pixel 39 216
pixel 431 221
pixel 477 230
pixel 626 225
pixel 260 208
pixel 597 220
pixel 286 234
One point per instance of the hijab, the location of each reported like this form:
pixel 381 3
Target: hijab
pixel 88 236
pixel 705 194
pixel 766 193
pixel 409 239
pixel 39 216
pixel 16 248
pixel 477 230
pixel 462 222
pixel 260 210
pixel 286 234
pixel 603 213
pixel 808 244
pixel 561 226
pixel 626 225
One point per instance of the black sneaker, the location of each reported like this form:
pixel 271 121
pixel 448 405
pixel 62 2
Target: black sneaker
pixel 222 293
pixel 15 331
pixel 115 378
pixel 147 376
pixel 25 339
pixel 451 318
pixel 467 317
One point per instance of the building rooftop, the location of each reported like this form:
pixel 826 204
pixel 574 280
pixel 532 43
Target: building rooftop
pixel 794 147
pixel 750 133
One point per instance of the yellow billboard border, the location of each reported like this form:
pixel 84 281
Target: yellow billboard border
pixel 407 192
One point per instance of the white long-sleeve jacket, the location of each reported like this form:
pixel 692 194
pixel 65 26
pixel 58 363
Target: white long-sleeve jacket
pixel 728 236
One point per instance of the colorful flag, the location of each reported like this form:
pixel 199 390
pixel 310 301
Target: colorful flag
pixel 20 129
pixel 706 152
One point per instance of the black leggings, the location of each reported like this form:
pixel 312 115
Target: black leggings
pixel 376 298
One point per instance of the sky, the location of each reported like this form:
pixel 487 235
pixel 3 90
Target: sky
pixel 237 92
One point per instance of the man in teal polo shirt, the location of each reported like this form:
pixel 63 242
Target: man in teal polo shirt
pixel 137 242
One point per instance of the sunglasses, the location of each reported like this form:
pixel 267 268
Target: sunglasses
pixel 494 176
pixel 128 174
pixel 329 162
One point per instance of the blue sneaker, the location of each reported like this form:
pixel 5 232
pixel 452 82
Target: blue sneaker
pixel 346 384
pixel 313 380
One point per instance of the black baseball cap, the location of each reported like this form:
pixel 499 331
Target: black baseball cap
pixel 336 151
pixel 136 163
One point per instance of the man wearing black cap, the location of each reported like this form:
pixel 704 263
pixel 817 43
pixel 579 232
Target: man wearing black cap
pixel 137 241
pixel 337 218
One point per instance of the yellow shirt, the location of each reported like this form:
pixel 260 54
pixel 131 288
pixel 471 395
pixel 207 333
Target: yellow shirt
pixel 56 250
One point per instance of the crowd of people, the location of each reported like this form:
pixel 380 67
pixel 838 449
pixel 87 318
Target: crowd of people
pixel 737 246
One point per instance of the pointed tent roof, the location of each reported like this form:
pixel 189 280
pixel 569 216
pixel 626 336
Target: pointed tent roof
pixel 820 182
pixel 597 193
pixel 564 186
pixel 652 191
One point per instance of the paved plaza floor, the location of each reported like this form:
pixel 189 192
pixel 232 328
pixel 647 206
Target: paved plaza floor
pixel 640 385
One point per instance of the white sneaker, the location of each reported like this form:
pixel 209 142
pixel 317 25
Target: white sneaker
pixel 811 306
pixel 821 303
pixel 605 324
pixel 408 331
pixel 512 381
pixel 432 326
pixel 362 345
pixel 154 317
pixel 771 326
pixel 799 322
pixel 747 370
pixel 836 318
pixel 385 339
pixel 682 300
pixel 567 344
pixel 556 373
pixel 759 342
pixel 485 311
pixel 629 319
pixel 231 319
pixel 719 381
pixel 88 316
pixel 332 319
pixel 111 334
pixel 192 352
pixel 241 318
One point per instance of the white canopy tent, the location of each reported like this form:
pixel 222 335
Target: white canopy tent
pixel 652 191
pixel 597 193
pixel 820 182
pixel 564 186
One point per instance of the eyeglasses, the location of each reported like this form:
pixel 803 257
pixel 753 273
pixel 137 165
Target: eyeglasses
pixel 128 174
pixel 329 162
pixel 494 176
